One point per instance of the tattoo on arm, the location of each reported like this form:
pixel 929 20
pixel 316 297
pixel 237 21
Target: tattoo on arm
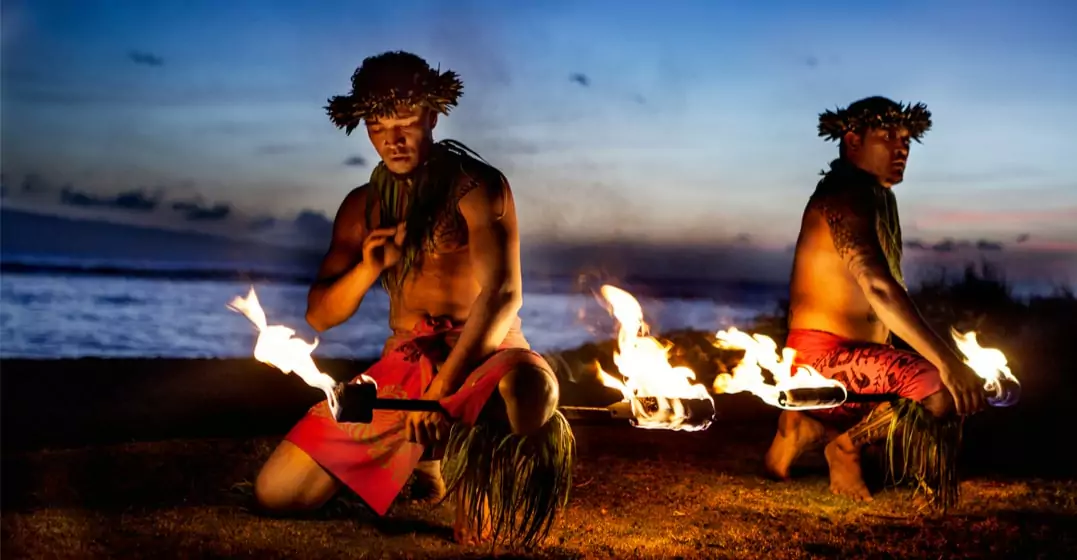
pixel 495 185
pixel 874 427
pixel 467 185
pixel 850 215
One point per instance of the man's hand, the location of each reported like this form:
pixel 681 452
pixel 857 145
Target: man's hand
pixel 965 386
pixel 382 247
pixel 426 428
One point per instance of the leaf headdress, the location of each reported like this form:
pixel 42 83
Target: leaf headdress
pixel 875 112
pixel 386 81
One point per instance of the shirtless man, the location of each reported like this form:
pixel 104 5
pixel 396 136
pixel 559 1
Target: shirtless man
pixel 848 295
pixel 438 227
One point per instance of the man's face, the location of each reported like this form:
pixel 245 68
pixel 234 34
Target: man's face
pixel 402 138
pixel 882 152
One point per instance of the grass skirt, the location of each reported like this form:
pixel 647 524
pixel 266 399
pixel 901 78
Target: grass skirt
pixel 922 450
pixel 525 480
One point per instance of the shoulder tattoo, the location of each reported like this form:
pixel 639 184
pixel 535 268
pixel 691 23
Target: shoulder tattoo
pixel 464 187
pixel 851 219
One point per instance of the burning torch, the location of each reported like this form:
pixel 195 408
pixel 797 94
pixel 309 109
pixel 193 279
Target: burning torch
pixel 656 395
pixel 1002 393
pixel 798 387
pixel 356 402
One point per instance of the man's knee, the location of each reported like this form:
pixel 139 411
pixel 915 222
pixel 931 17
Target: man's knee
pixel 291 481
pixel 531 393
pixel 940 404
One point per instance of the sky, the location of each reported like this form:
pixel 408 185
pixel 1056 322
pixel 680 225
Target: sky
pixel 616 122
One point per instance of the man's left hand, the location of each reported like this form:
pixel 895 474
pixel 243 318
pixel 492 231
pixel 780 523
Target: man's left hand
pixel 426 428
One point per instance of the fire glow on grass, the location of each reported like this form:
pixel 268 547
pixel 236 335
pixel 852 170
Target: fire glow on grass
pixel 644 364
pixel 278 347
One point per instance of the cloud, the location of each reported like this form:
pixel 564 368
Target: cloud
pixel 217 212
pixel 194 211
pixel 145 58
pixel 262 223
pixel 916 245
pixel 950 245
pixel 356 161
pixel 135 200
pixel 314 224
pixel 579 78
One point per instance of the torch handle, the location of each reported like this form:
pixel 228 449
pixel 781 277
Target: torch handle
pixel 356 403
pixel 586 413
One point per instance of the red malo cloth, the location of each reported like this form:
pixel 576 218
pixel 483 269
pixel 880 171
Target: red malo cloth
pixel 375 459
pixel 863 367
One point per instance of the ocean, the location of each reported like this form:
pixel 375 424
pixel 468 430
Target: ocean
pixel 60 315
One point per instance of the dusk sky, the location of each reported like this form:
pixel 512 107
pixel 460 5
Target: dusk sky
pixel 693 125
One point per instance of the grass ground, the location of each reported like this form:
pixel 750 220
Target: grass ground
pixel 637 494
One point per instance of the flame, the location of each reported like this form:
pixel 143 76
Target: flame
pixel 278 347
pixel 990 365
pixel 644 364
pixel 761 352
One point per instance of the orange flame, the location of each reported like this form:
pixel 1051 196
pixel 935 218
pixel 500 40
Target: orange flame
pixel 278 347
pixel 761 353
pixel 643 362
pixel 990 364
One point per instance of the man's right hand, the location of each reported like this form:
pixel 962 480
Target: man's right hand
pixel 382 248
pixel 965 387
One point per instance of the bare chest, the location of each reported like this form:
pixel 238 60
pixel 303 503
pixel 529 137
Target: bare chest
pixel 449 234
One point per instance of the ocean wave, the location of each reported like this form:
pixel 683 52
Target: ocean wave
pixel 76 316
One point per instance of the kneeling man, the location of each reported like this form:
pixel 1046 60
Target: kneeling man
pixel 848 295
pixel 437 226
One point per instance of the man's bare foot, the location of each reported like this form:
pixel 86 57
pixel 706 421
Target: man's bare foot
pixel 464 530
pixel 427 484
pixel 797 433
pixel 846 478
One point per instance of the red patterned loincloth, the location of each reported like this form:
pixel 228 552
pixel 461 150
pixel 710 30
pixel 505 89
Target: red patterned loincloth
pixel 863 367
pixel 375 459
